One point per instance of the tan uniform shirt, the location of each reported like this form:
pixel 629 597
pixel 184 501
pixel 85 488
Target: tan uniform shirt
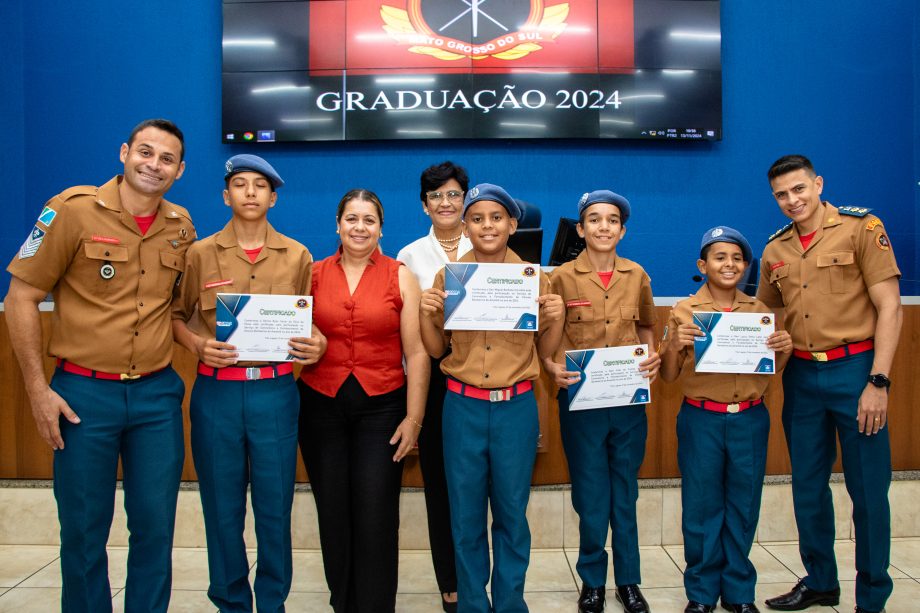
pixel 112 286
pixel 824 288
pixel 218 265
pixel 598 316
pixel 718 387
pixel 491 359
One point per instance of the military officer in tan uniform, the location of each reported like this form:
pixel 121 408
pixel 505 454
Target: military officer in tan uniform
pixel 834 272
pixel 111 257
pixel 244 415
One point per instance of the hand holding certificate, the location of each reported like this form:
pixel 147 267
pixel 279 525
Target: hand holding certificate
pixel 734 343
pixel 260 325
pixel 610 377
pixel 491 296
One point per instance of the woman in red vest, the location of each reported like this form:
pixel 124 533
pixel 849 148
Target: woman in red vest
pixel 360 410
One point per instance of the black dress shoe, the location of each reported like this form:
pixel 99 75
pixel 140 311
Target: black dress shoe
pixel 630 596
pixel 802 597
pixel 698 607
pixel 747 607
pixel 591 599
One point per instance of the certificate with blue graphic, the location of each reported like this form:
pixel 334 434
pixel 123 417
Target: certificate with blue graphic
pixel 260 325
pixel 734 343
pixel 491 296
pixel 610 377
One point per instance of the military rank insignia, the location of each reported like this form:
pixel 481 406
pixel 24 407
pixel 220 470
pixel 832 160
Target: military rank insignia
pixel 33 242
pixel 855 211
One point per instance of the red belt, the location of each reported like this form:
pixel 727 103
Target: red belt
pixel 492 395
pixel 74 369
pixel 836 353
pixel 721 407
pixel 246 373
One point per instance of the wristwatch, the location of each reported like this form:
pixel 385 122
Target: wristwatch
pixel 880 380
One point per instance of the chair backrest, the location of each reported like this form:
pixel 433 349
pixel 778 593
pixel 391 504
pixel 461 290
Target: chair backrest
pixel 527 241
pixel 567 244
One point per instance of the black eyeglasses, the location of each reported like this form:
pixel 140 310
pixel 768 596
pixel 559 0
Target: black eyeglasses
pixel 452 196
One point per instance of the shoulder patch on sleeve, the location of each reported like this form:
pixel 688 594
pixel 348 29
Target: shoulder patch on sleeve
pixel 780 232
pixel 47 216
pixel 78 190
pixel 854 211
pixel 32 243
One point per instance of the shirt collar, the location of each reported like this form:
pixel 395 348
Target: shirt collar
pixel 703 297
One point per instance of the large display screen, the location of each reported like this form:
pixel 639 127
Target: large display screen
pixel 400 69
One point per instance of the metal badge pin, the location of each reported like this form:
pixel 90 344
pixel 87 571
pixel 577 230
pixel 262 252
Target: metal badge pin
pixel 174 244
pixel 107 271
pixel 183 233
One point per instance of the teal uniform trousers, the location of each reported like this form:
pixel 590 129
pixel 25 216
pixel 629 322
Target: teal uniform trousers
pixel 821 403
pixel 722 459
pixel 604 449
pixel 245 433
pixel 489 453
pixel 139 420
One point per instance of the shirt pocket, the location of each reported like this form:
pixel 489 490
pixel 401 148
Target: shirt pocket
pixel 207 300
pixel 837 271
pixel 283 289
pixel 105 267
pixel 171 266
pixel 778 278
pixel 626 328
pixel 580 325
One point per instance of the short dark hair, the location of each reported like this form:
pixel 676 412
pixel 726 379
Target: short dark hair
pixel 160 124
pixel 790 163
pixel 704 252
pixel 435 176
pixel 359 194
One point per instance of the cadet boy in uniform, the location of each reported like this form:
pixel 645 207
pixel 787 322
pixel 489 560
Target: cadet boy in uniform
pixel 244 415
pixel 608 304
pixel 490 416
pixel 834 272
pixel 111 257
pixel 722 432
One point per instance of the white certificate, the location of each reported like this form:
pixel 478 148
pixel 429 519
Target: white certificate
pixel 260 325
pixel 734 343
pixel 491 296
pixel 610 377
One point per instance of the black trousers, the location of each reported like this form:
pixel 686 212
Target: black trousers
pixel 345 442
pixel 431 460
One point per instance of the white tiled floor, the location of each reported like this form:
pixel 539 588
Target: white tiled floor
pixel 30 578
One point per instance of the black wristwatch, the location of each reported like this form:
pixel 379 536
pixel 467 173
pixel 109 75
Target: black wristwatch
pixel 880 380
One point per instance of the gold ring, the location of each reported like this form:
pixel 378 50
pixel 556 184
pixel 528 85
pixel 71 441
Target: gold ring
pixel 876 419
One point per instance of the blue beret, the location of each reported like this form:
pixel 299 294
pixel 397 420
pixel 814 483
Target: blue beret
pixel 724 234
pixel 493 193
pixel 605 195
pixel 246 162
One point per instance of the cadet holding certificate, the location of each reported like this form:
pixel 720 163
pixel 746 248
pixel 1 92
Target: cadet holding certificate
pixel 722 432
pixel 610 316
pixel 244 414
pixel 490 415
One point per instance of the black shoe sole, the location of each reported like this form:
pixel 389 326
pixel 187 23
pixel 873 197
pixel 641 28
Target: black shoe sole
pixel 829 602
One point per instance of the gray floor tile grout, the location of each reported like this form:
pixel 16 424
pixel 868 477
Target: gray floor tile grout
pixel 783 564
